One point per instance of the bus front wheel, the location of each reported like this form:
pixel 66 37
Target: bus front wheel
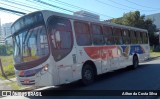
pixel 88 75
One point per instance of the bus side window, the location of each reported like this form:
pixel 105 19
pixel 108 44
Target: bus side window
pixel 109 39
pixel 117 36
pixel 144 37
pixel 133 37
pixel 139 38
pixel 61 37
pixel 82 33
pixel 125 36
pixel 97 34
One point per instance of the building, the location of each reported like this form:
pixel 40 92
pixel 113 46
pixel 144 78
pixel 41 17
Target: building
pixel 87 15
pixel 5 32
pixel 155 18
pixel 2 41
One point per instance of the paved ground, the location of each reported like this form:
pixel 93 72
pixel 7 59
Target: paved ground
pixel 3 86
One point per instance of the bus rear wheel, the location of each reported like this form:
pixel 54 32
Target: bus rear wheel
pixel 88 74
pixel 135 62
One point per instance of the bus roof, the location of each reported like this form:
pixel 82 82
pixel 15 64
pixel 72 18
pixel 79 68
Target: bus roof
pixel 47 13
pixel 91 20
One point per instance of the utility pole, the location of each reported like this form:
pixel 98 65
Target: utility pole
pixel 3 74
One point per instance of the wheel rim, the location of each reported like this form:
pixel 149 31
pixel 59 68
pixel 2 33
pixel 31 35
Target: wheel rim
pixel 88 74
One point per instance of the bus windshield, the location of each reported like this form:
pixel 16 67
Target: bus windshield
pixel 30 45
pixel 29 38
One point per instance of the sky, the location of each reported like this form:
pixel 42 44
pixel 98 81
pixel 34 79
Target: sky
pixel 107 9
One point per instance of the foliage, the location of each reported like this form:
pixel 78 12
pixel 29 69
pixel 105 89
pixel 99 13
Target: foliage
pixel 9 71
pixel 7 63
pixel 6 50
pixel 14 86
pixel 134 19
pixel 6 60
pixel 3 50
pixel 154 54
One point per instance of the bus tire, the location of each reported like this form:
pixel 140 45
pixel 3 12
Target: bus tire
pixel 88 74
pixel 135 62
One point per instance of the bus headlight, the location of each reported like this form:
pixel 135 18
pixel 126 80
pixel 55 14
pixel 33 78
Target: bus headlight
pixel 45 67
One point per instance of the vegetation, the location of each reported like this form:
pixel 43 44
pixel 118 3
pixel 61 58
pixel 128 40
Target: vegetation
pixel 14 86
pixel 6 50
pixel 7 63
pixel 153 53
pixel 134 19
pixel 6 60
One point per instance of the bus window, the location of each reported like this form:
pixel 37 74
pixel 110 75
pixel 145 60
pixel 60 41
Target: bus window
pixel 133 37
pixel 125 36
pixel 97 35
pixel 117 36
pixel 82 33
pixel 139 38
pixel 61 37
pixel 144 37
pixel 108 35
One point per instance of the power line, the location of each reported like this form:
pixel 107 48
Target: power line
pixel 142 5
pixel 121 4
pixel 53 5
pixel 110 5
pixel 45 3
pixel 73 6
pixel 119 7
pixel 35 6
pixel 13 11
pixel 20 4
pixel 14 7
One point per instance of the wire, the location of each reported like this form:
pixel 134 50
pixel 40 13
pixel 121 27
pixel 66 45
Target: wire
pixel 121 4
pixel 20 4
pixel 45 3
pixel 142 5
pixel 53 5
pixel 13 11
pixel 119 7
pixel 14 7
pixel 110 5
pixel 73 6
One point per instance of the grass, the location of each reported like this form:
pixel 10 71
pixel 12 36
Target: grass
pixel 154 54
pixel 7 63
pixel 15 86
pixel 6 60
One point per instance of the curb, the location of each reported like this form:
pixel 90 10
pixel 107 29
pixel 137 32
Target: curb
pixel 151 58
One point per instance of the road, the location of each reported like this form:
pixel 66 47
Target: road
pixel 145 77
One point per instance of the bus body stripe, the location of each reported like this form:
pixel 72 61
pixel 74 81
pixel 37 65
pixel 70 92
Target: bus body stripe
pixel 108 52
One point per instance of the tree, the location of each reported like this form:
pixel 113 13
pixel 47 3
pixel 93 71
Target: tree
pixel 134 19
pixel 3 50
pixel 6 50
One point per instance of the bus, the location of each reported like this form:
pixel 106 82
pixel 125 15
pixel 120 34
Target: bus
pixel 52 48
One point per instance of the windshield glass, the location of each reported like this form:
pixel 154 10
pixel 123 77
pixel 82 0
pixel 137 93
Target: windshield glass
pixel 30 45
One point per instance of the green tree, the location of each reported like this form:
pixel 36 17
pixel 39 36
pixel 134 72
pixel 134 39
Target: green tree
pixel 6 50
pixel 3 50
pixel 134 19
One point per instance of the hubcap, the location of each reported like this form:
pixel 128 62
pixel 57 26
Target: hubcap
pixel 135 62
pixel 88 74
